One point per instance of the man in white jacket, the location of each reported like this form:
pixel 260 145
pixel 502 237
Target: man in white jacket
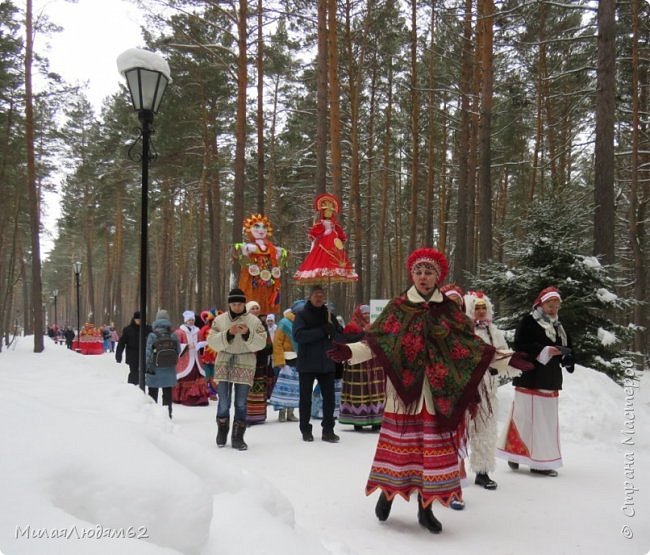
pixel 236 336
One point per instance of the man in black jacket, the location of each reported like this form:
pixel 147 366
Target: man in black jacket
pixel 130 339
pixel 314 329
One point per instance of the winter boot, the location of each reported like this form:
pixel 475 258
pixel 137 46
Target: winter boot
pixel 291 417
pixel 426 518
pixel 282 416
pixel 382 509
pixel 482 479
pixel 223 426
pixel 306 434
pixel 237 440
pixel 330 436
pixel 514 465
pixel 169 408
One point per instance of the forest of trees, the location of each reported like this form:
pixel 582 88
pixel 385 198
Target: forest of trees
pixel 437 122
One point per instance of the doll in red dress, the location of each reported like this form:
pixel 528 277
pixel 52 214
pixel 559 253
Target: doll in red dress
pixel 327 260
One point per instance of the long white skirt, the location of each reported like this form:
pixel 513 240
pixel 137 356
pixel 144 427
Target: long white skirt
pixel 531 435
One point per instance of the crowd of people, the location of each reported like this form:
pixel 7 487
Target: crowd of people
pixel 424 375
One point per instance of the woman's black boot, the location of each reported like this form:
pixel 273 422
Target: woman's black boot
pixel 426 518
pixel 382 509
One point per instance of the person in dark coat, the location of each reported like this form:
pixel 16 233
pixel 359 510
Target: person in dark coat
pixel 69 337
pixel 314 330
pixel 130 341
pixel 532 433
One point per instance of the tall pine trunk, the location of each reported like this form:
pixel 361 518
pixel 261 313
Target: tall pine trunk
pixel 32 188
pixel 604 162
pixel 240 133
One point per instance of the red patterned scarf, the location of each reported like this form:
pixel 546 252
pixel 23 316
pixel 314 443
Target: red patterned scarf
pixel 431 345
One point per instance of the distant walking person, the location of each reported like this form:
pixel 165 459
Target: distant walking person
pixel 161 376
pixel 130 341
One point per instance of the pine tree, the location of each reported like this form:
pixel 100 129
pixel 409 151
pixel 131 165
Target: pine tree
pixel 553 252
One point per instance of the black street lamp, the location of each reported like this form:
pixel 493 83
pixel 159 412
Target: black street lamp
pixel 76 267
pixel 147 76
pixel 55 294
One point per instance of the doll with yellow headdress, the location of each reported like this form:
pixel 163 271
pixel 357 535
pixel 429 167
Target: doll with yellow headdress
pixel 327 260
pixel 261 264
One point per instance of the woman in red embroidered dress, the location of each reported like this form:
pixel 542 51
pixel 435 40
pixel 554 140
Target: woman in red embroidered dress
pixel 327 260
pixel 433 364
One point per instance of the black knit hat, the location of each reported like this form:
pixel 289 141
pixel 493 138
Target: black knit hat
pixel 236 296
pixel 136 315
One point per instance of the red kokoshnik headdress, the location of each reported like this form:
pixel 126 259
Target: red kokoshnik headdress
pixel 326 200
pixel 431 257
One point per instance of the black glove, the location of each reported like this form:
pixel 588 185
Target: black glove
pixel 340 353
pixel 150 371
pixel 118 359
pixel 568 362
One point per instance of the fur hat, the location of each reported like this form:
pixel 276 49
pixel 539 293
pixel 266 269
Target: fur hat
pixel 188 315
pixel 431 258
pixel 475 298
pixel 545 295
pixel 162 315
pixel 236 295
pixel 136 315
pixel 252 304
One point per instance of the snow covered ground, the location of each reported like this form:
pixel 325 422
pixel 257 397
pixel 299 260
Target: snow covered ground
pixel 91 465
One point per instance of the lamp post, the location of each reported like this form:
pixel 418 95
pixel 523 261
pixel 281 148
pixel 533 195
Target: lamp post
pixel 147 76
pixel 77 271
pixel 55 294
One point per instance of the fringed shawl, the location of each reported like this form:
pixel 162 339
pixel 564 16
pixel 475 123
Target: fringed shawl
pixel 431 345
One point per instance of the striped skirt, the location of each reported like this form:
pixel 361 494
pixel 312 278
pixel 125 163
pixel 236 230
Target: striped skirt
pixel 363 394
pixel 317 400
pixel 256 402
pixel 414 457
pixel 286 391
